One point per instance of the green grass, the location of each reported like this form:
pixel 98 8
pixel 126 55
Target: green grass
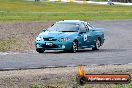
pixel 21 10
pixel 36 86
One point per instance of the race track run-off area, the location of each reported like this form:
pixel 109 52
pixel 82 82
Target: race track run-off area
pixel 117 49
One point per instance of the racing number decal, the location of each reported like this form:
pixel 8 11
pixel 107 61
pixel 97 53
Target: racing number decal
pixel 85 37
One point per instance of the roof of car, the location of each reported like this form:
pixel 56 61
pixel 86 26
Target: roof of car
pixel 71 21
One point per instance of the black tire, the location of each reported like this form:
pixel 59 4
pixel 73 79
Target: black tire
pixel 97 45
pixel 40 50
pixel 74 47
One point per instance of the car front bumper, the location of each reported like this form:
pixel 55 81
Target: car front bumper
pixel 53 45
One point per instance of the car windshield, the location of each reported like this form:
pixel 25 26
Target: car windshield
pixel 64 27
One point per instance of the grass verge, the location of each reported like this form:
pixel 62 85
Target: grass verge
pixel 38 11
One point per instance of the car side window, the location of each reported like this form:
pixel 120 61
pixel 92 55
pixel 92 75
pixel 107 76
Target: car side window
pixel 83 28
pixel 89 26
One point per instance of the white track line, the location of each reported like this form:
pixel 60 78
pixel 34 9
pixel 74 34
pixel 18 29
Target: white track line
pixel 81 2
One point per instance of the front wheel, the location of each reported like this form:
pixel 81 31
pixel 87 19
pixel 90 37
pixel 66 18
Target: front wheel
pixel 97 45
pixel 74 47
pixel 40 50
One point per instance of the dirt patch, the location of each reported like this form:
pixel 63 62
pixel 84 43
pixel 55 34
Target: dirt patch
pixel 23 33
pixel 57 77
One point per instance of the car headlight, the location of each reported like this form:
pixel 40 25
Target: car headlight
pixel 38 38
pixel 64 39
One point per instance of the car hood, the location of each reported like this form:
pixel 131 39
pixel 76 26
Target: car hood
pixel 56 34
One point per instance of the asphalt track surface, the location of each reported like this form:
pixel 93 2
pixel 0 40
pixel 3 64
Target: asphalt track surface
pixel 117 49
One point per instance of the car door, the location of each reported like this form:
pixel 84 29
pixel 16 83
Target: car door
pixel 90 34
pixel 83 35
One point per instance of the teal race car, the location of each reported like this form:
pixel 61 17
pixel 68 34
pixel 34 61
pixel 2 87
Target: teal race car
pixel 69 35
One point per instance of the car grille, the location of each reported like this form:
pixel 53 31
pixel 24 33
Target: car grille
pixel 47 46
pixel 49 39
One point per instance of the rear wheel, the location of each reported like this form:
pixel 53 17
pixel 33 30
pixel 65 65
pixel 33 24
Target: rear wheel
pixel 97 45
pixel 40 50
